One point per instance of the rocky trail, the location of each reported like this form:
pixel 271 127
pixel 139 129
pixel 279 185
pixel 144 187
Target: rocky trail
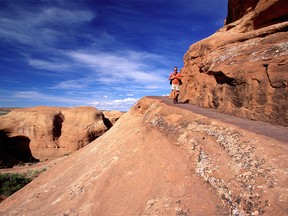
pixel 273 131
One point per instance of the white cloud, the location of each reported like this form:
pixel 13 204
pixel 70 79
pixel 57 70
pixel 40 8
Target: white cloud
pixel 129 73
pixel 64 16
pixel 70 84
pixel 101 104
pixel 38 96
pixel 48 65
pixel 28 95
pixel 117 104
pixel 126 100
pixel 120 67
pixel 23 25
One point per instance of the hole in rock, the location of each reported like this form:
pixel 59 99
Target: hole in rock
pixel 57 125
pixel 221 78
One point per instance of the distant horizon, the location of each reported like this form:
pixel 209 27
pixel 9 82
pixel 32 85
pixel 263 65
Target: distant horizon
pixel 19 107
pixel 4 108
pixel 102 54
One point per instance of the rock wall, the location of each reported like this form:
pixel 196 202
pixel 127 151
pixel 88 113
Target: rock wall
pixel 242 69
pixel 49 132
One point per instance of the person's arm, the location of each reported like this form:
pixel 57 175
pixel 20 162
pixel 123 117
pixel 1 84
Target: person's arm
pixel 178 76
pixel 172 77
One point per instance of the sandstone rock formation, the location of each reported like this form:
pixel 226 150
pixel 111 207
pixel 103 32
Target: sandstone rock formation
pixel 48 132
pixel 242 69
pixel 164 159
pixel 112 116
pixel 171 162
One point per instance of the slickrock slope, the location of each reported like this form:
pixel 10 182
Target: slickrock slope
pixel 160 159
pixel 242 69
pixel 48 132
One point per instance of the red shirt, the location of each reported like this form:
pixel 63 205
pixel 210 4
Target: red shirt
pixel 175 77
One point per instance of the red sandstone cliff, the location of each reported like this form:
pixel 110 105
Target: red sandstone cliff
pixel 242 69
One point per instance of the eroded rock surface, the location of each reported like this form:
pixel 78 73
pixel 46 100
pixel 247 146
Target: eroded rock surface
pixel 49 132
pixel 112 116
pixel 163 160
pixel 243 69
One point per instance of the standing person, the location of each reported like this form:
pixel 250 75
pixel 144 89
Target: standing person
pixel 175 81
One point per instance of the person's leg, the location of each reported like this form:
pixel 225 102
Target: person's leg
pixel 176 96
pixel 172 94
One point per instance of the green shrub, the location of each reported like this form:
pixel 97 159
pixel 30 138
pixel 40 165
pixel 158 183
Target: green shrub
pixel 10 183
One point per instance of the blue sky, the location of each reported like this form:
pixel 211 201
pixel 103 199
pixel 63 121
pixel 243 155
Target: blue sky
pixel 106 54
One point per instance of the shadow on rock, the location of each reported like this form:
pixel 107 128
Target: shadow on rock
pixel 14 150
